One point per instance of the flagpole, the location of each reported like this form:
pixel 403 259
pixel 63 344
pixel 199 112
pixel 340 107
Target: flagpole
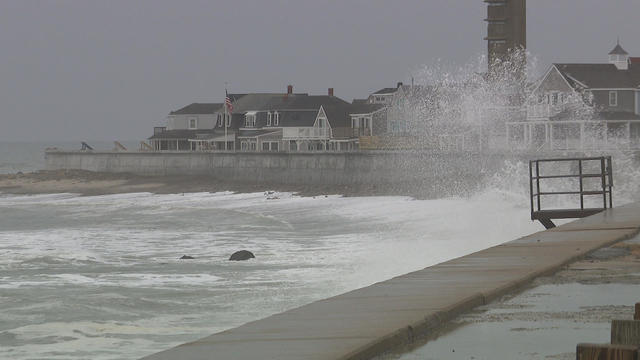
pixel 225 117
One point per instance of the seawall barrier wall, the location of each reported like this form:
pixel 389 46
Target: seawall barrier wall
pixel 286 168
pixel 400 170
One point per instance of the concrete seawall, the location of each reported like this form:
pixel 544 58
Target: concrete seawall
pixel 398 169
pixel 370 321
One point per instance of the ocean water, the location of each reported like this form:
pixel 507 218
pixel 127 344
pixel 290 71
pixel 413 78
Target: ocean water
pixel 99 277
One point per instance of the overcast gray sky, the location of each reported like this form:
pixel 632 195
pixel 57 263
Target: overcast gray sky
pixel 111 70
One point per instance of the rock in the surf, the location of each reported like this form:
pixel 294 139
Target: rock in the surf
pixel 187 257
pixel 241 255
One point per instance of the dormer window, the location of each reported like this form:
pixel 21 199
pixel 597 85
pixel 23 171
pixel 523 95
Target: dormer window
pixel 276 118
pixel 250 119
pixel 613 98
pixel 219 122
pixel 269 115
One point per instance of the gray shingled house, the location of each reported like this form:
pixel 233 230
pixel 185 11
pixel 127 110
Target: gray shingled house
pixel 263 122
pixel 583 106
pixel 190 122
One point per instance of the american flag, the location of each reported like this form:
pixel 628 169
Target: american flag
pixel 227 102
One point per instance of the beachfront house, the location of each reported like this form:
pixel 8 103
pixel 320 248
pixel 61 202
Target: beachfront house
pixel 294 122
pixel 190 122
pixel 264 122
pixel 583 106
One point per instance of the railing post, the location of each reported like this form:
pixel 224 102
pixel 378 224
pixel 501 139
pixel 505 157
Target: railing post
pixel 610 175
pixel 531 186
pixel 604 185
pixel 581 188
pixel 538 182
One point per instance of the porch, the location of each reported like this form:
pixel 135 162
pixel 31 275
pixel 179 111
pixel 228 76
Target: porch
pixel 574 134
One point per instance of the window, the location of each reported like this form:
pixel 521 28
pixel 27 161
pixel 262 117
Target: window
pixel 228 116
pixel 269 118
pixel 193 123
pixel 219 120
pixel 275 146
pixel 276 120
pixel 613 98
pixel 554 98
pixel 293 146
pixel 250 120
pixel 265 146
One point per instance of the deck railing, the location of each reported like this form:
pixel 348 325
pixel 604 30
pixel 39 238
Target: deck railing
pixel 545 216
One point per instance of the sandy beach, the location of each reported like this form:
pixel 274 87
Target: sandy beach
pixel 96 183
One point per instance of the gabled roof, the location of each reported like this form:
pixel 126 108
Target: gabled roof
pixel 385 91
pixel 198 108
pixel 618 50
pixel 359 108
pixel 601 75
pixel 254 102
pixel 297 117
pixel 235 97
pixel 303 102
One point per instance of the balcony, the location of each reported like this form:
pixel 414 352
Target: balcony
pixel 306 133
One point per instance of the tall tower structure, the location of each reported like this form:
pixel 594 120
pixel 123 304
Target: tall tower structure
pixel 506 28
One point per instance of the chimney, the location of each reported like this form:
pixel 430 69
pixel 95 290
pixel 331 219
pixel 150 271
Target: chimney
pixel 330 92
pixel 399 84
pixel 289 89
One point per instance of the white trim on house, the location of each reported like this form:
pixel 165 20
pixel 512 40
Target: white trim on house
pixel 578 81
pixel 195 122
pixel 322 115
pixel 545 78
pixel 368 113
pixel 613 101
pixel 250 119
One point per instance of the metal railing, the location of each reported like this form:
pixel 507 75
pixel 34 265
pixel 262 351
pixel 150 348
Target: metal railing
pixel 545 216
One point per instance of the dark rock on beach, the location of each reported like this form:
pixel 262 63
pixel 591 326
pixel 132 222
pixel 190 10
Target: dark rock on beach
pixel 187 257
pixel 241 255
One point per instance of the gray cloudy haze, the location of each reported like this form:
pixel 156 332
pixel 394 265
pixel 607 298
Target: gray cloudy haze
pixel 111 70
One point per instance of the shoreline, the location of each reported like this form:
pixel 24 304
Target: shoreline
pixel 89 183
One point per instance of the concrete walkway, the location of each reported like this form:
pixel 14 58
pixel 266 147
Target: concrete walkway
pixel 368 321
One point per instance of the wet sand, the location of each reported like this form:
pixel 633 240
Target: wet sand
pixel 91 183
pixel 96 183
pixel 547 319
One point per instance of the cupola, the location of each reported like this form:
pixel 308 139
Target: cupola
pixel 619 57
